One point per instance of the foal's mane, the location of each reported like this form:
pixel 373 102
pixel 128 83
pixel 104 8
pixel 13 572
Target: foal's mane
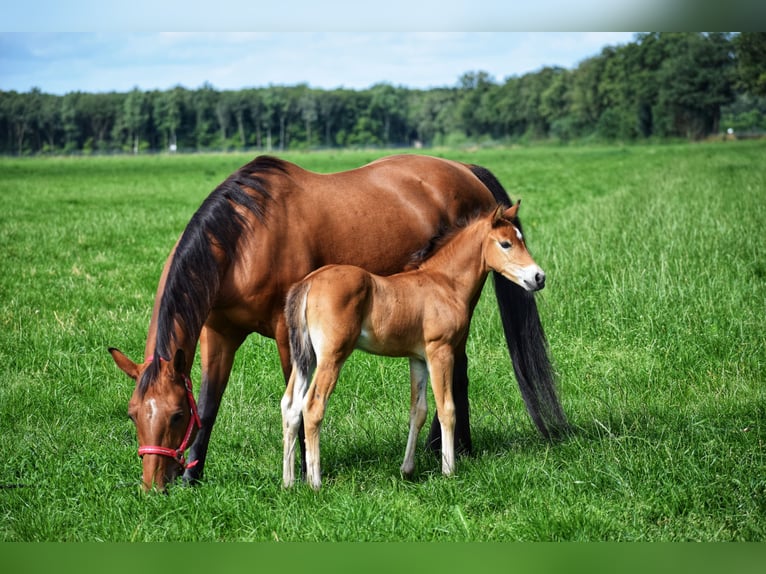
pixel 444 235
pixel 195 273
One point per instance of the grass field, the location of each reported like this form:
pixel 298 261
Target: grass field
pixel 655 311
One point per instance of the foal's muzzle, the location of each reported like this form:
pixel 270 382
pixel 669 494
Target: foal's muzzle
pixel 537 282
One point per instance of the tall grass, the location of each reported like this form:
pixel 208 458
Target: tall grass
pixel 655 312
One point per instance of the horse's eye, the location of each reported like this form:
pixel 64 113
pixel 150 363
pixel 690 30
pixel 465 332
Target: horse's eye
pixel 505 244
pixel 132 417
pixel 176 418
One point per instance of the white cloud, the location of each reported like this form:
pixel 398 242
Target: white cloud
pixel 59 63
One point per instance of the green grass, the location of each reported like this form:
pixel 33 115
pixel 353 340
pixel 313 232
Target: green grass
pixel 655 312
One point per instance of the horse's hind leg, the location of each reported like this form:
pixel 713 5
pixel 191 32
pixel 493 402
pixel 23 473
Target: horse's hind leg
pixel 291 405
pixel 418 410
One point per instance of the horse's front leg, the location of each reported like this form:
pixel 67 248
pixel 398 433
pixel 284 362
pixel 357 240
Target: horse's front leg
pixel 418 410
pixel 217 356
pixel 440 364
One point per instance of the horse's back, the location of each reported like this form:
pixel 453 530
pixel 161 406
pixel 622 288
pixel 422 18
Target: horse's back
pixel 374 217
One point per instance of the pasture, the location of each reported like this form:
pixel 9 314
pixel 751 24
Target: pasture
pixel 655 311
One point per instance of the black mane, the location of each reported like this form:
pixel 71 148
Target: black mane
pixel 195 272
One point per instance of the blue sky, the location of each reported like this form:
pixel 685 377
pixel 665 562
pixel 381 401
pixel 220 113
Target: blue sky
pixel 59 62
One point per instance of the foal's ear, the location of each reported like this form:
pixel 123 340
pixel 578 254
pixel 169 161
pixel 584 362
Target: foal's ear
pixel 126 365
pixel 498 215
pixel 508 214
pixel 512 212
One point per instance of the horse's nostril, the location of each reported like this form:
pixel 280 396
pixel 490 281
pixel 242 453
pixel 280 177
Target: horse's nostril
pixel 540 278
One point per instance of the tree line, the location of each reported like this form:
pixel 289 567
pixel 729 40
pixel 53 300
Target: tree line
pixel 660 85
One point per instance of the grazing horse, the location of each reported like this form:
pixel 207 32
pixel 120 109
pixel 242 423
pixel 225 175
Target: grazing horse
pixel 422 314
pixel 266 227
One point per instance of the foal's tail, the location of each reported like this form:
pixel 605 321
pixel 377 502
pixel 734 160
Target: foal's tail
pixel 301 348
pixel 526 340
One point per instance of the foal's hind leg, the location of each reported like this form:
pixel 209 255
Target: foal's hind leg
pixel 291 404
pixel 314 406
pixel 418 410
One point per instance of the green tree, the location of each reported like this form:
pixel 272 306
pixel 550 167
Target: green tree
pixel 431 114
pixel 101 112
pixel 330 104
pixel 22 116
pixel 388 111
pixel 308 108
pixel 555 104
pixel 223 104
pixel 585 104
pixel 134 119
pixel 70 121
pixel 695 83
pixel 751 61
pixel 167 113
pixel 472 89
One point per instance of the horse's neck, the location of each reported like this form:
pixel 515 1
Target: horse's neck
pixel 461 260
pixel 181 336
pixel 181 339
pixel 151 337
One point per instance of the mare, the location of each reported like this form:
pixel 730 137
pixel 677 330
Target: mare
pixel 422 314
pixel 264 228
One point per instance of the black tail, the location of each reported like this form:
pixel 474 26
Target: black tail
pixel 301 349
pixel 526 340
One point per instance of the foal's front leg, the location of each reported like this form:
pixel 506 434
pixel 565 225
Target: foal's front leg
pixel 440 364
pixel 418 410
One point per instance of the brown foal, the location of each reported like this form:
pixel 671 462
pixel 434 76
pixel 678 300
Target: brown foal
pixel 423 314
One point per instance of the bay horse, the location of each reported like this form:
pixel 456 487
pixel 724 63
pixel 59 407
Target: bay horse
pixel 422 314
pixel 264 228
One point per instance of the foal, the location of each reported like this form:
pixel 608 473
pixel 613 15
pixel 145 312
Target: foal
pixel 423 314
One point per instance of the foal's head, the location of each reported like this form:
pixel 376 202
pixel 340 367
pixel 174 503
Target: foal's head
pixel 506 252
pixel 163 409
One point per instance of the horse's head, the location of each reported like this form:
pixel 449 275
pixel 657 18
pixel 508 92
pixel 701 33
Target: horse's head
pixel 506 252
pixel 165 414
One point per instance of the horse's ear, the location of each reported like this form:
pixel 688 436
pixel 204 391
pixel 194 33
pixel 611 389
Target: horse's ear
pixel 126 365
pixel 179 361
pixel 512 212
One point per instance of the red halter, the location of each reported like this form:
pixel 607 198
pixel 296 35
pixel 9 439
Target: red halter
pixel 177 454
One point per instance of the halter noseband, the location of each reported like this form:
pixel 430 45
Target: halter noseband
pixel 177 454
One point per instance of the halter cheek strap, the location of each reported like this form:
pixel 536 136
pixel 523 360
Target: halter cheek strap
pixel 177 454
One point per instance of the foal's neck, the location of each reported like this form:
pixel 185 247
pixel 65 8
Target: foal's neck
pixel 461 259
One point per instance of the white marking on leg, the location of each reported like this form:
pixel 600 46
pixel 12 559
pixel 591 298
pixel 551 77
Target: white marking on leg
pixel 418 411
pixel 292 410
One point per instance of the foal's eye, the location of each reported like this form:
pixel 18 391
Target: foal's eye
pixel 176 418
pixel 505 244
